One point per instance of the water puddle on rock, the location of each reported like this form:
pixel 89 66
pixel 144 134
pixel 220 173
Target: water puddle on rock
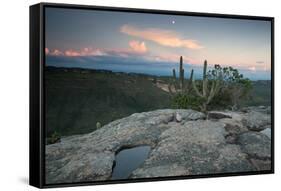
pixel 127 160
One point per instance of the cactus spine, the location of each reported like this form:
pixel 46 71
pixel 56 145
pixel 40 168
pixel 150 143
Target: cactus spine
pixel 207 94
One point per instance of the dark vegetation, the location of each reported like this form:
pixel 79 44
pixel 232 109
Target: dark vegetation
pixel 220 87
pixel 260 94
pixel 80 101
pixel 53 138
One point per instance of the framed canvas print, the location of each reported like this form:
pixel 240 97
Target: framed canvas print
pixel 122 95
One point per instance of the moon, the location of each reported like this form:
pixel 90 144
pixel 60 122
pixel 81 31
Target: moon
pixel 173 22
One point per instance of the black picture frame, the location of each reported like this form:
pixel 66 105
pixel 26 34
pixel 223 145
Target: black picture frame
pixel 37 89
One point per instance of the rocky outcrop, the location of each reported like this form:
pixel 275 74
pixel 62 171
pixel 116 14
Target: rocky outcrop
pixel 183 142
pixel 218 115
pixel 256 121
pixel 256 145
pixel 195 148
pixel 267 132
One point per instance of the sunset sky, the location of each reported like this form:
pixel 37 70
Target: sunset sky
pixel 153 43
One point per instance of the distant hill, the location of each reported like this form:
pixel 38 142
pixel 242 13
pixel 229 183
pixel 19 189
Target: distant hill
pixel 76 99
pixel 261 93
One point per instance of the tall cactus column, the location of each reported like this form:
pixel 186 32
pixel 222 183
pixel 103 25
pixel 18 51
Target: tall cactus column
pixel 205 79
pixel 177 85
pixel 207 94
pixel 181 72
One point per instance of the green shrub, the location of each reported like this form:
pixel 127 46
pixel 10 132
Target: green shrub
pixel 220 87
pixel 185 101
pixel 221 101
pixel 98 125
pixel 234 87
pixel 55 138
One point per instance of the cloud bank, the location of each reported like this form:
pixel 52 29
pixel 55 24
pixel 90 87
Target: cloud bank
pixel 136 48
pixel 162 37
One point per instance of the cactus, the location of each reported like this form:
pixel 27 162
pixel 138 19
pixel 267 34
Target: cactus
pixel 98 125
pixel 181 72
pixel 207 93
pixel 178 85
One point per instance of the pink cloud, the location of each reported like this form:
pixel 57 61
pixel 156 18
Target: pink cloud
pixel 56 52
pixel 160 36
pixel 252 68
pixel 137 46
pixel 92 52
pixel 72 53
pixel 47 51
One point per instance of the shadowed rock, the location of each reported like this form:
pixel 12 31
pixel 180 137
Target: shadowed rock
pixel 261 164
pixel 218 115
